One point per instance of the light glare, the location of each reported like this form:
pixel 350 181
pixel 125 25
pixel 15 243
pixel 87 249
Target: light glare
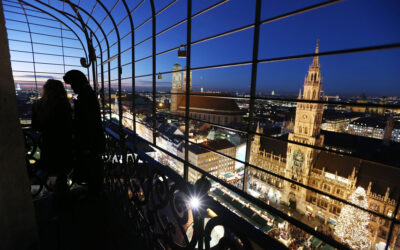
pixel 194 203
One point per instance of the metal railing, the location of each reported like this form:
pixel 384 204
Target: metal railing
pixel 159 203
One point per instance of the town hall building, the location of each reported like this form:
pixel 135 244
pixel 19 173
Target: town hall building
pixel 331 173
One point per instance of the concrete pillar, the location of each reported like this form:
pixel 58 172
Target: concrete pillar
pixel 17 218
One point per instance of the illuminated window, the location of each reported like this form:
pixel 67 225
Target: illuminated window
pixel 327 188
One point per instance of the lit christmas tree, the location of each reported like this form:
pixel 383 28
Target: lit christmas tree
pixel 352 223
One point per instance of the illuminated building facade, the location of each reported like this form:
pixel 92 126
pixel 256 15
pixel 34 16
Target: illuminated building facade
pixel 331 173
pixel 209 161
pixel 374 127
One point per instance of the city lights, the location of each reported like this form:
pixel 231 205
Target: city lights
pixel 352 226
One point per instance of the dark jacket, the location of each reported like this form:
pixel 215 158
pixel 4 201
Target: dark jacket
pixel 89 135
pixel 55 126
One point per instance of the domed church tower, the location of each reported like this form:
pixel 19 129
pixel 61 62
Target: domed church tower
pixel 176 87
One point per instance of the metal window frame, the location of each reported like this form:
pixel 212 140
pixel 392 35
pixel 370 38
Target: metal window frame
pixel 252 99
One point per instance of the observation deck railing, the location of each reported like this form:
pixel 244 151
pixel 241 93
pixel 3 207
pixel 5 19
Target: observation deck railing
pixel 157 201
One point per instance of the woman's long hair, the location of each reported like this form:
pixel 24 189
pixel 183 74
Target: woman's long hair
pixel 53 91
pixel 53 98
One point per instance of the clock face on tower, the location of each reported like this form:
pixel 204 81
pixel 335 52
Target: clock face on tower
pixel 298 160
pixel 304 116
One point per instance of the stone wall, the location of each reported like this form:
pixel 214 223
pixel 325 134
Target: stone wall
pixel 17 218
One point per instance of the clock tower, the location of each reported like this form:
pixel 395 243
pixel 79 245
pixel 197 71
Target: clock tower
pixel 307 129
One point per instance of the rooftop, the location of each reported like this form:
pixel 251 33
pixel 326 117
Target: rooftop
pixel 374 121
pixel 210 104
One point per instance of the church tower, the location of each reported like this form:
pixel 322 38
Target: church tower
pixel 309 115
pixel 176 87
pixel 307 127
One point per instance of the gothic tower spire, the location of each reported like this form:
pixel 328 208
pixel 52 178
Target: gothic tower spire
pixel 307 127
pixel 316 57
pixel 309 115
pixel 313 80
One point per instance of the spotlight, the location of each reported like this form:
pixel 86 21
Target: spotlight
pixel 201 188
pixel 194 203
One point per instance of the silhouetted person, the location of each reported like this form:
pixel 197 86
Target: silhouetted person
pixel 88 130
pixel 52 117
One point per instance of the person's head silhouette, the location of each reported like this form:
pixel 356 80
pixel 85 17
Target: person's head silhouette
pixel 53 90
pixel 76 79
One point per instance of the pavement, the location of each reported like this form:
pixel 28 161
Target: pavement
pixel 312 221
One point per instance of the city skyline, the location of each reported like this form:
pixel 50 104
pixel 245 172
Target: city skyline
pixel 372 73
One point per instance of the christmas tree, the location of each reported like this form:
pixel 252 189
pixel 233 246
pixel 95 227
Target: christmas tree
pixel 352 223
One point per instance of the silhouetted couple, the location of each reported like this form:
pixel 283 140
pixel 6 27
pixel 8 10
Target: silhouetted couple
pixel 68 134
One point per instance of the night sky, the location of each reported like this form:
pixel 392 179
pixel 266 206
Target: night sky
pixel 344 25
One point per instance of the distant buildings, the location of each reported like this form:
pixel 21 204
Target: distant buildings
pixel 338 121
pixel 372 109
pixel 375 127
pixel 361 124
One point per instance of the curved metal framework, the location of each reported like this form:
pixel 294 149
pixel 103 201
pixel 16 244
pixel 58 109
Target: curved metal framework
pixel 135 174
